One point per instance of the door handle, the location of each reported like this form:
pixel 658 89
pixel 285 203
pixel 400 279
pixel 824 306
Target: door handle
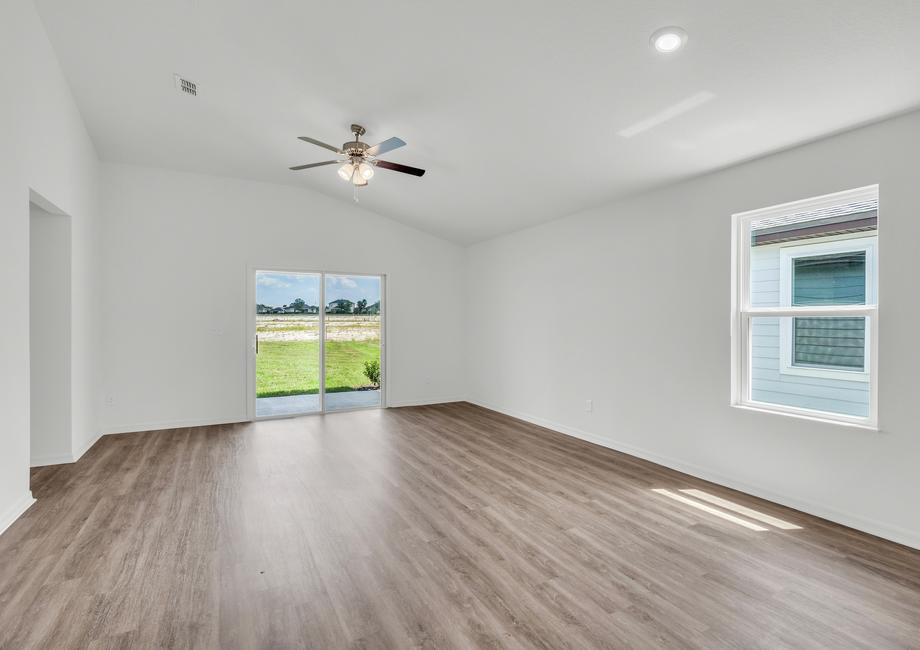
pixel 257 344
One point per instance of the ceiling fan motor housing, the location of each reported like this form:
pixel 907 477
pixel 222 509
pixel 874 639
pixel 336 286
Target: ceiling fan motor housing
pixel 355 148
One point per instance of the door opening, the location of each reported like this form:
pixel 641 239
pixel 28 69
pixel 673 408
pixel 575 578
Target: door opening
pixel 49 337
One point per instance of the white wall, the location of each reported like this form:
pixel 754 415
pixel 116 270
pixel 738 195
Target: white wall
pixel 44 148
pixel 176 251
pixel 629 305
pixel 49 338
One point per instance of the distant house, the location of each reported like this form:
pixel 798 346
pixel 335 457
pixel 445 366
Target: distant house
pixel 300 308
pixel 374 309
pixel 340 306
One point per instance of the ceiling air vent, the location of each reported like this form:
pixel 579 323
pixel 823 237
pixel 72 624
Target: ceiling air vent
pixel 186 86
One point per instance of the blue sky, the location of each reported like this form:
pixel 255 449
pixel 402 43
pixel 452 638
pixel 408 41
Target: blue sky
pixel 277 289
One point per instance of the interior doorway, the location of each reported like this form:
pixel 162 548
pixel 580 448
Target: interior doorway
pixel 318 342
pixel 49 336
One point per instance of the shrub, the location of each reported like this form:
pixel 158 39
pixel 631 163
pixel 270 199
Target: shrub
pixel 372 372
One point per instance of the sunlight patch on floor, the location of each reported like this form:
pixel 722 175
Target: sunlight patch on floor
pixel 713 511
pixel 742 510
pixel 683 496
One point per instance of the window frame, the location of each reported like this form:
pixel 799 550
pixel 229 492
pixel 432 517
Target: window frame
pixel 851 243
pixel 742 313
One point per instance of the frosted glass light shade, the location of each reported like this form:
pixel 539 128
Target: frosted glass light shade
pixel 346 171
pixel 366 171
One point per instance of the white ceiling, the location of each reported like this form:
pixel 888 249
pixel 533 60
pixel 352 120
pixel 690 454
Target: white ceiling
pixel 514 108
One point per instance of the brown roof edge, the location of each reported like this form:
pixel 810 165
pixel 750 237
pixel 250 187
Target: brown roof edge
pixel 818 230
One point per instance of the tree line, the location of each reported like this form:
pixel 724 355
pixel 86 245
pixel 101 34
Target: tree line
pixel 340 306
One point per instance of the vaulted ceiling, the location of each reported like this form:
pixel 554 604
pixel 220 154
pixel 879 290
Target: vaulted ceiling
pixel 520 111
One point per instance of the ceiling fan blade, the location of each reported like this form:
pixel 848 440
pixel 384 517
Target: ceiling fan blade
pixel 396 167
pixel 320 144
pixel 319 164
pixel 386 145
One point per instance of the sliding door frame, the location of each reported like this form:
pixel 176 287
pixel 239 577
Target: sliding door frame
pixel 249 344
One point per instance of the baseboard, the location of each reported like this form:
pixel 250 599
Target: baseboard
pixel 78 453
pixel 204 422
pixel 866 525
pixel 15 511
pixel 63 459
pixel 423 402
pixel 173 424
pixel 44 461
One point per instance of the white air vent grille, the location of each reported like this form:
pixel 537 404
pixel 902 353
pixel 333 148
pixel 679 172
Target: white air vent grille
pixel 186 86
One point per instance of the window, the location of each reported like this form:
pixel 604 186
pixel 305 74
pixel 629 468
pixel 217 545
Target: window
pixel 805 304
pixel 827 270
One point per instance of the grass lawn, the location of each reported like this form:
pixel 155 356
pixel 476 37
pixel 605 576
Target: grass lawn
pixel 292 367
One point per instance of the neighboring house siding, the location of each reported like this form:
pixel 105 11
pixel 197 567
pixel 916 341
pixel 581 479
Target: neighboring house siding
pixel 768 384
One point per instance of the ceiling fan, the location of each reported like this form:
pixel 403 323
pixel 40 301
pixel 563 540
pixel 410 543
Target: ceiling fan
pixel 360 159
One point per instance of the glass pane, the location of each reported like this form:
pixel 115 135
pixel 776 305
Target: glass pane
pixel 287 331
pixel 782 372
pixel 814 257
pixel 353 306
pixel 836 279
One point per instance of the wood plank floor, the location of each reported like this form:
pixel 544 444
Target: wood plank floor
pixel 444 526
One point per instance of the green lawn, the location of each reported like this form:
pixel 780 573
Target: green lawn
pixel 292 367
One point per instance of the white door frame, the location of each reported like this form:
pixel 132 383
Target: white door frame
pixel 249 344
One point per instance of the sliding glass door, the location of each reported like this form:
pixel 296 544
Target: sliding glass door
pixel 318 342
pixel 352 337
pixel 287 343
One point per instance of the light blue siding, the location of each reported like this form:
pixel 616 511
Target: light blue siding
pixel 768 383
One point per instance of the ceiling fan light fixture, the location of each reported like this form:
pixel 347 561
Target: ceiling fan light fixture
pixel 366 171
pixel 346 171
pixel 360 160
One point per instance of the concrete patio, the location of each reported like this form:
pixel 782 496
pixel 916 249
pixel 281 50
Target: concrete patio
pixel 299 404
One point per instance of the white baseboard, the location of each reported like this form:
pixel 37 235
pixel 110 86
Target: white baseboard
pixel 56 459
pixel 15 511
pixel 203 422
pixel 173 424
pixel 864 524
pixel 63 459
pixel 78 453
pixel 423 402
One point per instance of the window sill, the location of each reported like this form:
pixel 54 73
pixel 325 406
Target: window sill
pixel 806 415
pixel 859 376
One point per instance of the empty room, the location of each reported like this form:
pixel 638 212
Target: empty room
pixel 459 325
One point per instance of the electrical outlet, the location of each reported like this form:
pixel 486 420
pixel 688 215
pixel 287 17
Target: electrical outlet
pixel 589 405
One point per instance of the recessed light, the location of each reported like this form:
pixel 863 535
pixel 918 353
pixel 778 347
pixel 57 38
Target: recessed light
pixel 668 39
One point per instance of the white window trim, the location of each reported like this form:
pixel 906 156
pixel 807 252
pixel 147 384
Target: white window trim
pixel 742 313
pixel 789 253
